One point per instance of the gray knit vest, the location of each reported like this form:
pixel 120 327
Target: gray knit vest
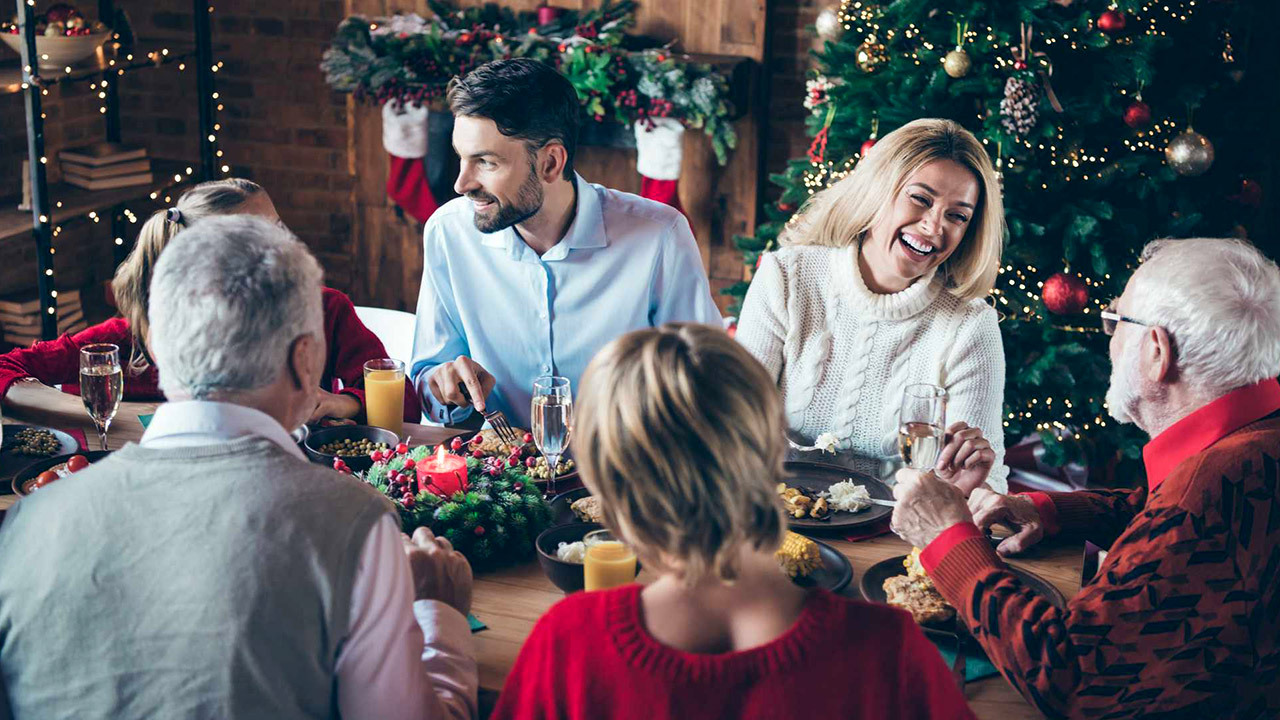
pixel 202 582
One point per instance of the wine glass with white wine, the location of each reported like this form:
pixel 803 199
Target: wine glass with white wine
pixel 101 384
pixel 922 425
pixel 552 422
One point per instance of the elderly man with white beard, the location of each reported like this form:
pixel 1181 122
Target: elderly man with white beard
pixel 1183 617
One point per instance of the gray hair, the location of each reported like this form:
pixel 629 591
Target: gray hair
pixel 1219 300
pixel 228 298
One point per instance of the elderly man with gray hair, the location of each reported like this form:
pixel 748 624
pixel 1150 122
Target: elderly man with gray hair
pixel 1183 616
pixel 211 571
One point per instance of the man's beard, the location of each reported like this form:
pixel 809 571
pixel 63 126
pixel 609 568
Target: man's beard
pixel 1123 394
pixel 527 203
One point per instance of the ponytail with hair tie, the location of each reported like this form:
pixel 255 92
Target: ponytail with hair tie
pixel 173 215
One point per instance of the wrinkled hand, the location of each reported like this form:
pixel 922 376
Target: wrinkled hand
pixel 966 459
pixel 439 572
pixel 1015 511
pixel 926 507
pixel 334 405
pixel 444 382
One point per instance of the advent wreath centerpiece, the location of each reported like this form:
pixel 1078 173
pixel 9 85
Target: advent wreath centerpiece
pixel 488 507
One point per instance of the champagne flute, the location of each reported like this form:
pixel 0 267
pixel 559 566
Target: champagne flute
pixel 552 422
pixel 101 384
pixel 922 425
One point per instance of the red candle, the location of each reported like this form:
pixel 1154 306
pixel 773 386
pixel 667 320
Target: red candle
pixel 547 14
pixel 443 474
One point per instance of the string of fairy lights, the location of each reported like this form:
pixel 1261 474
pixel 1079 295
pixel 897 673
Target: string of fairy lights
pixel 155 58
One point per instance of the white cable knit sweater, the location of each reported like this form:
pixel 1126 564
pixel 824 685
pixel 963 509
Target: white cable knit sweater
pixel 843 355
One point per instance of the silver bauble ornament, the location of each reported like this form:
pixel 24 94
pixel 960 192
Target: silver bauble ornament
pixel 957 63
pixel 828 25
pixel 1190 153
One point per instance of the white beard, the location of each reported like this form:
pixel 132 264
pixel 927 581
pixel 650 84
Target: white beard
pixel 1123 394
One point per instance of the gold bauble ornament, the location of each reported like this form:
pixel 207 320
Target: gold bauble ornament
pixel 1190 153
pixel 871 55
pixel 828 25
pixel 957 63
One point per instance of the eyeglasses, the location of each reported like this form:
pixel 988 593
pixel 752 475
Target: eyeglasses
pixel 1111 318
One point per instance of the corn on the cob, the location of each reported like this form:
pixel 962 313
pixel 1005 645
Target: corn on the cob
pixel 798 555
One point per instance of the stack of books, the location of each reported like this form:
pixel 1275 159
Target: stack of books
pixel 20 316
pixel 105 165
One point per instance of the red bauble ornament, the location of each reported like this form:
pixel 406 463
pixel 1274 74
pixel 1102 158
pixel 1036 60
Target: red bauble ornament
pixel 1111 22
pixel 1064 294
pixel 866 146
pixel 787 207
pixel 1250 194
pixel 479 531
pixel 1137 115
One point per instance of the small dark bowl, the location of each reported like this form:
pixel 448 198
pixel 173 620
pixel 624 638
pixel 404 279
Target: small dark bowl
pixel 360 463
pixel 561 510
pixel 34 469
pixel 565 575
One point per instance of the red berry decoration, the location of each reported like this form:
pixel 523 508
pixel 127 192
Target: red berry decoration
pixel 477 439
pixel 1065 294
pixel 513 461
pixel 407 500
pixel 477 454
pixel 518 487
pixel 456 444
pixel 1137 115
pixel 866 146
pixel 409 464
pixel 528 438
pixel 376 456
pixel 479 530
pixel 531 462
pixel 402 448
pixel 1112 21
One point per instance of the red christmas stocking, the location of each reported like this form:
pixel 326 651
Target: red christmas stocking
pixel 404 136
pixel 659 151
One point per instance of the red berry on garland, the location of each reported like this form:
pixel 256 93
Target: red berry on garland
pixel 477 439
pixel 528 438
pixel 866 146
pixel 518 487
pixel 477 454
pixel 338 464
pixel 513 461
pixel 376 456
pixel 456 444
pixel 407 500
pixel 465 38
pixel 402 448
pixel 1065 294
pixel 1137 115
pixel 1112 21
pixel 409 464
pixel 479 531
pixel 531 462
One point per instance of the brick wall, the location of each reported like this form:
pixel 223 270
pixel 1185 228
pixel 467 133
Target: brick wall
pixel 790 39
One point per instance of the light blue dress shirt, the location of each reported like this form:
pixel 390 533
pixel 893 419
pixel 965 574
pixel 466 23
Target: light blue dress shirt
pixel 625 263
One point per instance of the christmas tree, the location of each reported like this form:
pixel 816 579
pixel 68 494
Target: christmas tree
pixel 1086 109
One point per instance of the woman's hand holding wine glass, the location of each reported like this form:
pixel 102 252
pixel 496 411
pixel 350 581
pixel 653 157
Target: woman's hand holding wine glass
pixel 959 455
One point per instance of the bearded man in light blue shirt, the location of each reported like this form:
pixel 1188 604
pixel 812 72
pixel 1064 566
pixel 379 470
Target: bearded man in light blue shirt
pixel 533 269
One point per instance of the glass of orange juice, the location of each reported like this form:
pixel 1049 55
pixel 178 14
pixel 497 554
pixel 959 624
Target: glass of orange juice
pixel 608 563
pixel 384 394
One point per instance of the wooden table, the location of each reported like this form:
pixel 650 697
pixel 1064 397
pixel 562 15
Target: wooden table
pixel 511 600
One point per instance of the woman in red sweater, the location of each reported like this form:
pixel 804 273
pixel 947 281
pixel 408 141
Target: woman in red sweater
pixel 685 437
pixel 350 343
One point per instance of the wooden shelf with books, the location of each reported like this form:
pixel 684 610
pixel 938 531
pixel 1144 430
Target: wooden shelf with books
pixel 145 53
pixel 68 201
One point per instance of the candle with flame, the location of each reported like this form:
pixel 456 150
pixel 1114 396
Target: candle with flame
pixel 443 474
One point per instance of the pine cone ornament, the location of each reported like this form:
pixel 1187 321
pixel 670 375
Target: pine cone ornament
pixel 1019 109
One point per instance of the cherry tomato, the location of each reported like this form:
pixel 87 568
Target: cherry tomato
pixel 45 478
pixel 77 463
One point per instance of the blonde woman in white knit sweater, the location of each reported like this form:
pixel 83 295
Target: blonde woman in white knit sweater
pixel 880 284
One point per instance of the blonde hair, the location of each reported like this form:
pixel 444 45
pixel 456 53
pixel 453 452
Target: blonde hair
pixel 845 212
pixel 132 281
pixel 681 435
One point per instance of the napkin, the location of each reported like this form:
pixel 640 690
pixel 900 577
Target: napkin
pixel 875 529
pixel 79 437
pixel 476 625
pixel 145 420
pixel 976 664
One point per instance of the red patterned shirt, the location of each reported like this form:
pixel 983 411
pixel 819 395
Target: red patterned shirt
pixel 1183 617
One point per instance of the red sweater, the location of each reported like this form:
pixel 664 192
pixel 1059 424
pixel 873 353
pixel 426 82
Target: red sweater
pixel 1183 617
pixel 349 344
pixel 590 657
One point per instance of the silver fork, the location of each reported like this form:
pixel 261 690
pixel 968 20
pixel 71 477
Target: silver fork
pixel 496 419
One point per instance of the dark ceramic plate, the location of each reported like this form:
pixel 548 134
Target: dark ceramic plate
pixel 561 514
pixel 30 472
pixel 817 477
pixel 836 571
pixel 12 461
pixel 872 587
